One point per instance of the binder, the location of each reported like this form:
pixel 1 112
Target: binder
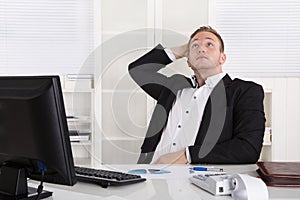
pixel 285 174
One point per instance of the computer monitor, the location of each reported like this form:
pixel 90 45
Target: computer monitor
pixel 34 137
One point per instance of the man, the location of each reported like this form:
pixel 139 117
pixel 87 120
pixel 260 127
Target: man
pixel 209 118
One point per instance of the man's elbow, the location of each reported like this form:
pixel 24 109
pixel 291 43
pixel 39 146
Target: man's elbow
pixel 130 67
pixel 251 157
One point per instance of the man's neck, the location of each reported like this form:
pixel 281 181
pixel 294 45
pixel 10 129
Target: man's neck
pixel 203 75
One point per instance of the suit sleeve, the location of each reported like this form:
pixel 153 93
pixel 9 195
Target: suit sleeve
pixel 144 71
pixel 248 124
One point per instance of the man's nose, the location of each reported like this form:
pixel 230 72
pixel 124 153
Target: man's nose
pixel 201 49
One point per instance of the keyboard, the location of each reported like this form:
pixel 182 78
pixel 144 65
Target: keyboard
pixel 106 178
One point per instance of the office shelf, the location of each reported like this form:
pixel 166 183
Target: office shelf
pixel 266 154
pixel 267 143
pixel 85 143
pixel 78 98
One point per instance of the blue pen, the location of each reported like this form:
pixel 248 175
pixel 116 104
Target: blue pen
pixel 207 169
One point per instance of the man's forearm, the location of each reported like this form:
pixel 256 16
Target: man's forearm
pixel 178 157
pixel 234 151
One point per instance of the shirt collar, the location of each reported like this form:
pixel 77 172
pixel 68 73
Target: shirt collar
pixel 211 81
pixel 194 81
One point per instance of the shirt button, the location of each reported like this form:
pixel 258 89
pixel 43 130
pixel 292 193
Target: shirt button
pixel 187 112
pixel 195 97
pixel 174 143
pixel 179 126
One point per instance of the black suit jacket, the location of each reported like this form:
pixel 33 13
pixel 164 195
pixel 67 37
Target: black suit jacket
pixel 233 122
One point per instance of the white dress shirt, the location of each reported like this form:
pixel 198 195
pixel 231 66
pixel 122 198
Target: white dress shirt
pixel 185 118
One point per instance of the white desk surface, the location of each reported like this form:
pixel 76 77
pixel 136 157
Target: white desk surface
pixel 174 185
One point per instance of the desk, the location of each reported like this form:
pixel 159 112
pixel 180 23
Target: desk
pixel 166 188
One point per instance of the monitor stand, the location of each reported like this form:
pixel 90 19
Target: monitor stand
pixel 13 185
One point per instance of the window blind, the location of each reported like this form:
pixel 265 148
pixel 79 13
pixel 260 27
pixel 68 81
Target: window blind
pixel 262 37
pixel 45 37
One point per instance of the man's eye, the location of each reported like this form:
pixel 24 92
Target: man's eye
pixel 210 44
pixel 194 45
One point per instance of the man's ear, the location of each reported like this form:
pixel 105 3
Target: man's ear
pixel 222 58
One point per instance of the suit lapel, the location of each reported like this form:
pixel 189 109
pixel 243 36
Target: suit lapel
pixel 226 81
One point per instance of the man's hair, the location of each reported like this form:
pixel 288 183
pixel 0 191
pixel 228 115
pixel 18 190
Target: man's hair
pixel 211 30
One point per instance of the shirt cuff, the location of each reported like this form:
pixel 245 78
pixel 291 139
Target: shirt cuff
pixel 187 154
pixel 170 54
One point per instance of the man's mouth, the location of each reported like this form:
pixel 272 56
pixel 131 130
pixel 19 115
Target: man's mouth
pixel 201 57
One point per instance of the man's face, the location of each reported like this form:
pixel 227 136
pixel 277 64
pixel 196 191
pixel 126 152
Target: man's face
pixel 204 52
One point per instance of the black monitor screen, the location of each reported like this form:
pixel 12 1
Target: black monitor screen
pixel 33 128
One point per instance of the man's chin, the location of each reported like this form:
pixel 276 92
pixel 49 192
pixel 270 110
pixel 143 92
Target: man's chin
pixel 203 68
